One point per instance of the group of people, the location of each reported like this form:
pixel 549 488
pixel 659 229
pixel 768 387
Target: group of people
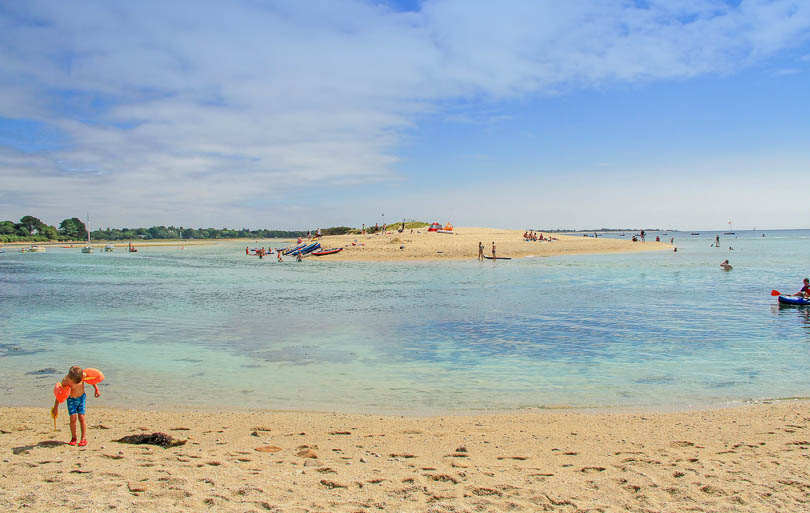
pixel 532 236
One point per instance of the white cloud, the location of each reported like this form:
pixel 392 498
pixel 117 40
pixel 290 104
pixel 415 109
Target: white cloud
pixel 194 108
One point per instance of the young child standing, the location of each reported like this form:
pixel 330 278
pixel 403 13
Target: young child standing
pixel 75 402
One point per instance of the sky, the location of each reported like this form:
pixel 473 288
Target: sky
pixel 300 114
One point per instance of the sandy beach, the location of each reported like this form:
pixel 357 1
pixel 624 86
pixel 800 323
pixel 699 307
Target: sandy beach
pixel 750 458
pixel 463 245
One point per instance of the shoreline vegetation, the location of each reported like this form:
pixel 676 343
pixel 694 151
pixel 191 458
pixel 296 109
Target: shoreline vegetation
pixel 406 241
pixel 746 458
pixel 74 230
pixel 417 244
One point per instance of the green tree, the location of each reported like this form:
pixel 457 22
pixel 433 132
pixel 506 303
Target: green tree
pixel 49 232
pixel 73 229
pixel 31 224
pixel 7 228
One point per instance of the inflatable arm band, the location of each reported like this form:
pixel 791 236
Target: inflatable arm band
pixel 61 392
pixel 93 376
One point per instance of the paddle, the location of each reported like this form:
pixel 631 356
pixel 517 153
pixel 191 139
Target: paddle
pixel 776 293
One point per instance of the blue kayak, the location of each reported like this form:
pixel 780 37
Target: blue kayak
pixel 306 249
pixel 791 300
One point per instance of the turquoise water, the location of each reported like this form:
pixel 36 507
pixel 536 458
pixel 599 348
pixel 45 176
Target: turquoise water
pixel 209 327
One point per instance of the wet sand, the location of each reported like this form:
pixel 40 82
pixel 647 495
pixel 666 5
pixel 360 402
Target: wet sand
pixel 751 458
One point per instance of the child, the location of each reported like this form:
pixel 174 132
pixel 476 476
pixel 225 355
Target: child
pixel 75 402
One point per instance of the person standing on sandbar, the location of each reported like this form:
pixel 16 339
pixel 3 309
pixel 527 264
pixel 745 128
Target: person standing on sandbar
pixel 493 250
pixel 480 250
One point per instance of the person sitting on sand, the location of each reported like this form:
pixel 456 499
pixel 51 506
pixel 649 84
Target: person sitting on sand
pixel 805 292
pixel 726 266
pixel 75 402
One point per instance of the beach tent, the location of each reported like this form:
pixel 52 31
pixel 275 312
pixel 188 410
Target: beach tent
pixel 434 227
pixel 448 227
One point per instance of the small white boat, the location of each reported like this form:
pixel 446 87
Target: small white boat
pixel 33 249
pixel 88 248
pixel 109 248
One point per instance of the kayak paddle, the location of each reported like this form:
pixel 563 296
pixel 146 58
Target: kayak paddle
pixel 776 293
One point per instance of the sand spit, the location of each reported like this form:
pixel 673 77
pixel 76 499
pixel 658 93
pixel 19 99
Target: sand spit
pixel 752 458
pixel 463 245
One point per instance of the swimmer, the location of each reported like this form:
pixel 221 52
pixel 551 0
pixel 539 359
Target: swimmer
pixel 726 266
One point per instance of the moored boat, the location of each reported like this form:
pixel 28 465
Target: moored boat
pixel 331 251
pixel 88 248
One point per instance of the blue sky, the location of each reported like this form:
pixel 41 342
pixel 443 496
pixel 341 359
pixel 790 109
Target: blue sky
pixel 294 114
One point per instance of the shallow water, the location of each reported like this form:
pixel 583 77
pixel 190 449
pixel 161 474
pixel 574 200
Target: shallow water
pixel 209 327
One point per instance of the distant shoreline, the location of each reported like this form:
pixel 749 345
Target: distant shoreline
pixel 420 245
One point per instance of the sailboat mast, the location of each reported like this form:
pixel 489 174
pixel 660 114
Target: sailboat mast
pixel 87 228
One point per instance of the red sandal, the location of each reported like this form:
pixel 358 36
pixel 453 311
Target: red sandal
pixel 72 442
pixel 82 443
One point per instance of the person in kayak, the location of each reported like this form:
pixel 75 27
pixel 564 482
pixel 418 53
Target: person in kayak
pixel 805 292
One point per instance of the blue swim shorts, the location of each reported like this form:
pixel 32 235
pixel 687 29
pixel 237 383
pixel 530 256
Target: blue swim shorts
pixel 76 404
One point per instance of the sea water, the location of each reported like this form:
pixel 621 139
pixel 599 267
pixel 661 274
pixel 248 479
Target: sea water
pixel 209 327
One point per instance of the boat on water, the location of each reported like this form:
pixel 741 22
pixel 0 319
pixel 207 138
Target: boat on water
pixel 793 300
pixel 331 251
pixel 730 230
pixel 695 233
pixel 132 249
pixel 88 248
pixel 109 248
pixel 33 249
pixel 497 258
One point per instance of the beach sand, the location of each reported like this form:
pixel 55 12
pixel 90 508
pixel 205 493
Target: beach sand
pixel 751 458
pixel 463 245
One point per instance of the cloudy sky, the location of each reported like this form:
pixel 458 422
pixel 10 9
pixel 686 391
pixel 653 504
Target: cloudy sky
pixel 297 114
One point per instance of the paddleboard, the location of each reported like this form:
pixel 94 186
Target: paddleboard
pixel 497 258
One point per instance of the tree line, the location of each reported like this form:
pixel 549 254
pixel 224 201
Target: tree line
pixel 31 229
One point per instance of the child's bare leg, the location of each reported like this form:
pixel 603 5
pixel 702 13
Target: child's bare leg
pixel 73 427
pixel 83 425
